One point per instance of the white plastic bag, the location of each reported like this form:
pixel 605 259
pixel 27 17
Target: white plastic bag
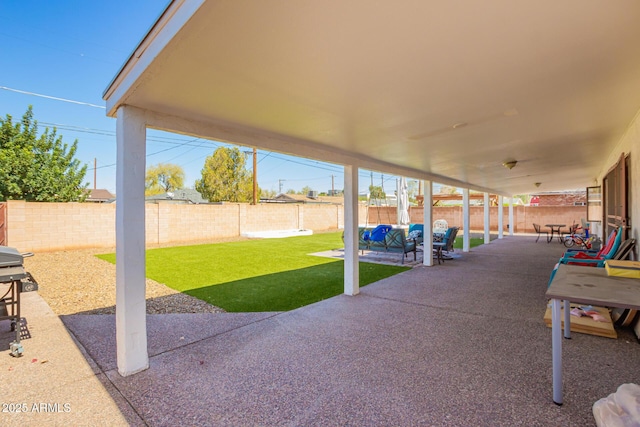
pixel 619 409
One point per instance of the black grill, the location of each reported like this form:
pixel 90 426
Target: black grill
pixel 15 280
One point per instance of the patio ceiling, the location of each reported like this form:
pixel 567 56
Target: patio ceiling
pixel 441 90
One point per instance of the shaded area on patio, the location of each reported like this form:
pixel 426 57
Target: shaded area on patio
pixel 458 344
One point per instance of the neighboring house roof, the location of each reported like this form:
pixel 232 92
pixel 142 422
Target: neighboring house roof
pixel 301 198
pixel 186 195
pixel 100 195
pixel 559 198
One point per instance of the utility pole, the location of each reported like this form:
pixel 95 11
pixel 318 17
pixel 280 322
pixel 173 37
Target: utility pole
pixel 95 167
pixel 333 191
pixel 255 176
pixel 280 181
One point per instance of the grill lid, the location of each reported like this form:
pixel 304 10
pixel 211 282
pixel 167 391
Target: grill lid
pixel 10 257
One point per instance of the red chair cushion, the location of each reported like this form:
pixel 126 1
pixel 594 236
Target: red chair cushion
pixel 582 255
pixel 607 248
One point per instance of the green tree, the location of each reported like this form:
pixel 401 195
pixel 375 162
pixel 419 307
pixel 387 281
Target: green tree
pixel 376 192
pixel 38 168
pixel 163 178
pixel 291 191
pixel 225 177
pixel 412 190
pixel 305 190
pixel 448 189
pixel 267 194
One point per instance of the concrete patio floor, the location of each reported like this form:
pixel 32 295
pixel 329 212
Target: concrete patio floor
pixel 457 344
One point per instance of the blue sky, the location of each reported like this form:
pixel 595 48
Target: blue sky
pixel 72 50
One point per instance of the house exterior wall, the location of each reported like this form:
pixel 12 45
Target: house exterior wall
pixel 630 145
pixel 59 226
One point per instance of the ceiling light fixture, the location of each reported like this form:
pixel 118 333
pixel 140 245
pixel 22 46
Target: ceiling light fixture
pixel 459 125
pixel 537 184
pixel 510 164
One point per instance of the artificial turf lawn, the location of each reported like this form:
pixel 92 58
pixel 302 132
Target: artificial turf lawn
pixel 473 242
pixel 258 275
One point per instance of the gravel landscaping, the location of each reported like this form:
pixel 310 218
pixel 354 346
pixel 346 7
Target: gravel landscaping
pixel 76 282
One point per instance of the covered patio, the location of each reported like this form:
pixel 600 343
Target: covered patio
pixel 435 91
pixel 457 345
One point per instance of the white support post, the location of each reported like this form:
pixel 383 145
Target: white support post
pixel 487 220
pixel 351 273
pixel 500 217
pixel 466 221
pixel 511 224
pixel 398 222
pixel 427 220
pixel 131 313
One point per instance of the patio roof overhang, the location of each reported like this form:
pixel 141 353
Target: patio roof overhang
pixel 440 91
pixel 445 91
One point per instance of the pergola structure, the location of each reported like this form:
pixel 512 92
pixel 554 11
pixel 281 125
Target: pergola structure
pixel 432 90
pixel 439 197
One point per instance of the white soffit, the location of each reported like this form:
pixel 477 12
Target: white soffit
pixel 440 90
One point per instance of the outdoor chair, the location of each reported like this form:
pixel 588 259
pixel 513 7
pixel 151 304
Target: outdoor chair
pixel 416 233
pixel 616 252
pixel 540 231
pixel 446 245
pixel 395 241
pixel 621 254
pixel 377 234
pixel 440 226
pixel 362 243
pixel 586 257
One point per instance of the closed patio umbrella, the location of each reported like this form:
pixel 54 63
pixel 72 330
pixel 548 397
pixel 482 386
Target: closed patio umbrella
pixel 403 202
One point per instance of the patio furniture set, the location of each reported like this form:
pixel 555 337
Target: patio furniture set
pixel 598 278
pixel 385 238
pixel 554 229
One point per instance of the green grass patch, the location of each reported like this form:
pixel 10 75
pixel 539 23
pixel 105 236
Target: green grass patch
pixel 258 275
pixel 473 242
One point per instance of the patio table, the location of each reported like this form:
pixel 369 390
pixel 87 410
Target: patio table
pixel 585 285
pixel 555 228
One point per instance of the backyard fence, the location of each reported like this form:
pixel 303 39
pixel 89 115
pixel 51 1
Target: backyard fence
pixel 32 226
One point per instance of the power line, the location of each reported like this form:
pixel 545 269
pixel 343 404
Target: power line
pixel 308 163
pixel 55 98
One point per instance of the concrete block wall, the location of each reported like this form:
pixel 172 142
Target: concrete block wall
pixel 381 215
pixel 192 223
pixel 59 226
pixel 523 216
pixel 325 218
pixel 270 216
